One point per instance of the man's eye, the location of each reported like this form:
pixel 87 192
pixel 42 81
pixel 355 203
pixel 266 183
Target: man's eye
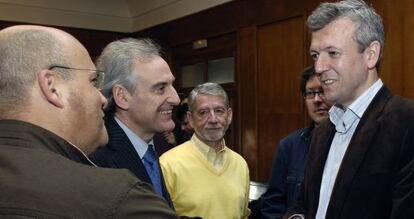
pixel 314 56
pixel 160 89
pixel 220 111
pixel 95 82
pixel 334 54
pixel 203 112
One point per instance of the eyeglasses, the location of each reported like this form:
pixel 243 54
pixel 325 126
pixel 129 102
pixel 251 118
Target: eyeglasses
pixel 98 80
pixel 311 94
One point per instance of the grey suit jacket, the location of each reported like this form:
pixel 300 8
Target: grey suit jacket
pixel 376 177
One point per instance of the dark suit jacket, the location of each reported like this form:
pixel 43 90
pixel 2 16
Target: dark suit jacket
pixel 376 177
pixel 120 153
pixel 287 174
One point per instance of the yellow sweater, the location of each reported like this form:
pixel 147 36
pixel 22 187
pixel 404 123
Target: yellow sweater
pixel 198 189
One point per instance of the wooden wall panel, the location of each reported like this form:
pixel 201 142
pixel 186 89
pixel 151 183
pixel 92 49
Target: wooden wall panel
pixel 247 86
pixel 404 17
pixel 280 60
pixel 272 50
pixel 398 65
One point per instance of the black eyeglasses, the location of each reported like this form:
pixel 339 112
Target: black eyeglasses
pixel 311 94
pixel 98 80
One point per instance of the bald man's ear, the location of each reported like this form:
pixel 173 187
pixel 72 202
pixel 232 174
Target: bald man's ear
pixel 121 96
pixel 47 80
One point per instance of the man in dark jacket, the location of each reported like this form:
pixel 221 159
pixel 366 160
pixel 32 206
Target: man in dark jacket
pixel 289 163
pixel 50 118
pixel 139 87
pixel 361 162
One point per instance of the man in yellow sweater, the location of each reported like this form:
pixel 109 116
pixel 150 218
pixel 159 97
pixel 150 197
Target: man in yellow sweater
pixel 203 176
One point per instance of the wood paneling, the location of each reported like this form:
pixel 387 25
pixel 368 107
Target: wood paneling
pixel 397 65
pixel 280 60
pixel 272 50
pixel 247 86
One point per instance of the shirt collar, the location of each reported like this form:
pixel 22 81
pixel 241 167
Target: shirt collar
pixel 140 145
pixel 83 154
pixel 344 118
pixel 204 148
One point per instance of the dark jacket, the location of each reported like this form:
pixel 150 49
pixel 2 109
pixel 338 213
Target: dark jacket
pixel 376 177
pixel 44 176
pixel 120 153
pixel 287 174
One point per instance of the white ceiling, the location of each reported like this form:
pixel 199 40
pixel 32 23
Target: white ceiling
pixel 110 15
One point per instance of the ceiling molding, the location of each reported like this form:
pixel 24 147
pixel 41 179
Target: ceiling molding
pixel 124 16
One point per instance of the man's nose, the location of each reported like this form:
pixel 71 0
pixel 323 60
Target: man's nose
pixel 174 99
pixel 213 117
pixel 321 65
pixel 317 98
pixel 103 100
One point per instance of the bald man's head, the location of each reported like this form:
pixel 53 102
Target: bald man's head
pixel 24 51
pixel 47 78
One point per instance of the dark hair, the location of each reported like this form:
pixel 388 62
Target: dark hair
pixel 307 73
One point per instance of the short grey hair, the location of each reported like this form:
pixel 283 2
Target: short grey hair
pixel 23 53
pixel 368 23
pixel 117 61
pixel 208 88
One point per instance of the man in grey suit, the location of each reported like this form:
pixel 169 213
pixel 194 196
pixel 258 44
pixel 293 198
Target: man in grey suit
pixel 361 162
pixel 138 86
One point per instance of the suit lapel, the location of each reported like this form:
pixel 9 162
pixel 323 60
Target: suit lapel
pixel 320 144
pixel 125 155
pixel 361 141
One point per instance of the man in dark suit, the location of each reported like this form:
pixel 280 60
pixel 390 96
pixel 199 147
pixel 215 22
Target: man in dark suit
pixel 361 163
pixel 289 163
pixel 138 86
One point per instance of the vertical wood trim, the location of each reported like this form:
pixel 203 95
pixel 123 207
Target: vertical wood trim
pixel 247 91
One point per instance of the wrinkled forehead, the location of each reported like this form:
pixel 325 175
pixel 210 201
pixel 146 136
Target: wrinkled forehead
pixel 152 72
pixel 210 101
pixel 335 34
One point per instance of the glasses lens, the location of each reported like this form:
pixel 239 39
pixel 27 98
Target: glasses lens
pixel 311 94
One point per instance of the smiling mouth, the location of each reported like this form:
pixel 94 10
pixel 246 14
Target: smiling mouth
pixel 328 82
pixel 166 112
pixel 214 129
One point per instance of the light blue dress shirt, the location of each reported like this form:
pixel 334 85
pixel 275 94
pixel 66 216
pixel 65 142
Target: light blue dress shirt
pixel 140 145
pixel 345 121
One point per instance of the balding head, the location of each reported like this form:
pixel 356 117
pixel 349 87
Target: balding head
pixel 24 51
pixel 47 78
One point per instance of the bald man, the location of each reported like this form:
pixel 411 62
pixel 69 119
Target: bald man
pixel 50 120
